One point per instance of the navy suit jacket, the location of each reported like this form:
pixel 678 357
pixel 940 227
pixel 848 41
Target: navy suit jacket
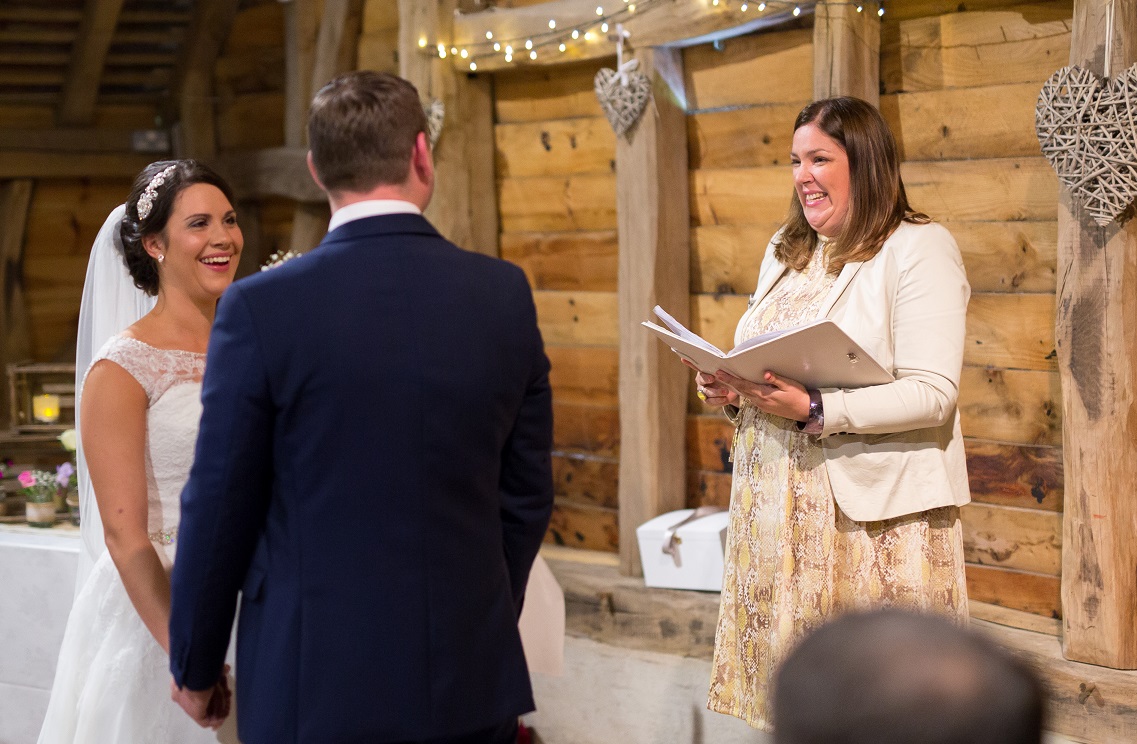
pixel 373 474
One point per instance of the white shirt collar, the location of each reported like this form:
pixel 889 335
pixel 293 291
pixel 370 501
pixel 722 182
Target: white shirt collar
pixel 371 208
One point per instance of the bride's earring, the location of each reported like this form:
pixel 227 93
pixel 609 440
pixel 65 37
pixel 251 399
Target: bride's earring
pixel 161 257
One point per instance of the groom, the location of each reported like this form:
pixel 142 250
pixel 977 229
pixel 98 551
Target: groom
pixel 373 466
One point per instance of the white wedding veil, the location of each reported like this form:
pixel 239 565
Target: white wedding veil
pixel 110 304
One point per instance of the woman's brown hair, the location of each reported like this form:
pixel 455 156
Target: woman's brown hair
pixel 877 202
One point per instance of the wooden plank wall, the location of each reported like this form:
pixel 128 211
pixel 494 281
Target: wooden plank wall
pixel 740 129
pixel 960 92
pixel 557 202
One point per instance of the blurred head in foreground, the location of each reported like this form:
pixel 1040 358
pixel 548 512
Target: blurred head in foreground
pixel 901 678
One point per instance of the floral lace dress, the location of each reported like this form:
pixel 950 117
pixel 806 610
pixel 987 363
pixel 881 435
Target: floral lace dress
pixel 112 682
pixel 793 559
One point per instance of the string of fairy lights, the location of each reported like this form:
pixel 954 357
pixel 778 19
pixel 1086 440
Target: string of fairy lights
pixel 562 36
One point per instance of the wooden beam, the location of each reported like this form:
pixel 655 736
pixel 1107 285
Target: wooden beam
pixel 24 164
pixel 464 207
pixel 173 17
pixel 339 31
pixel 657 24
pixel 15 330
pixel 654 263
pixel 23 14
pixel 38 36
pixel 1087 702
pixel 193 77
pixel 1097 363
pixel 846 51
pixel 67 139
pixel 278 171
pixel 41 15
pixel 81 90
pixel 301 29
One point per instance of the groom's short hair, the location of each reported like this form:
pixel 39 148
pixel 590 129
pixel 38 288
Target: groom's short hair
pixel 362 129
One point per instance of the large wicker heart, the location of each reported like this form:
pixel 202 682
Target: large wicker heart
pixel 1087 127
pixel 622 104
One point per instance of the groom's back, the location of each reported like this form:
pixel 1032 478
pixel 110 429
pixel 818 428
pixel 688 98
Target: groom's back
pixel 373 464
pixel 379 601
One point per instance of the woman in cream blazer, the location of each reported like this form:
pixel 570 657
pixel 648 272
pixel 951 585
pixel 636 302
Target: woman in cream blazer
pixel 895 449
pixel 843 499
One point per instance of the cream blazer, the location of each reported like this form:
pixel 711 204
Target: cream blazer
pixel 895 449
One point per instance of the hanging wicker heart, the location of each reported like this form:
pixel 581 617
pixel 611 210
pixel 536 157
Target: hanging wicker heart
pixel 622 104
pixel 1087 127
pixel 435 114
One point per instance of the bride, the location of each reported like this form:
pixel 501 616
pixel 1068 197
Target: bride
pixel 138 420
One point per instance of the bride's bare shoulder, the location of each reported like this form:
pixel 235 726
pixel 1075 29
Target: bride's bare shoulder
pixel 111 387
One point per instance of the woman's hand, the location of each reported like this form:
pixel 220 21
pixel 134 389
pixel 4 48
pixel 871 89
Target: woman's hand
pixel 775 395
pixel 711 391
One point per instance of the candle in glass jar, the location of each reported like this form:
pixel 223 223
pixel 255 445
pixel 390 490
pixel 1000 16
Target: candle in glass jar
pixel 45 408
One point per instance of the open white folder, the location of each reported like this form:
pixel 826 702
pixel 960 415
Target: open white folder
pixel 818 354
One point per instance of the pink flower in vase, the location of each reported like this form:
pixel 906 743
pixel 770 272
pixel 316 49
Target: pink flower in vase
pixel 27 480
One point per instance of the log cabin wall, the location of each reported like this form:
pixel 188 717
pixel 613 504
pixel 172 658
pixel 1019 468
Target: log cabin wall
pixel 557 205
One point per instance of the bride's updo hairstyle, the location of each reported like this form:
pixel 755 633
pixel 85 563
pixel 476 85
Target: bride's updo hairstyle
pixel 148 210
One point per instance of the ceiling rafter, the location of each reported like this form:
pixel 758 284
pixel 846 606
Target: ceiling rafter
pixel 81 88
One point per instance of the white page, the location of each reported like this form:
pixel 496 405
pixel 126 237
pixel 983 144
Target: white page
pixel 691 338
pixel 758 340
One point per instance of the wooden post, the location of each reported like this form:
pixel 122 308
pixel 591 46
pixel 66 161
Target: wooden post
pixel 336 41
pixel 81 89
pixel 193 77
pixel 464 207
pixel 653 217
pixel 1097 363
pixel 301 28
pixel 846 51
pixel 15 330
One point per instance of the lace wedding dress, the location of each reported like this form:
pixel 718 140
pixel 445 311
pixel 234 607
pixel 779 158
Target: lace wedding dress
pixel 112 683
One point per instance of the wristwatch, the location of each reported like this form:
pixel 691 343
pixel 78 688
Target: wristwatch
pixel 815 422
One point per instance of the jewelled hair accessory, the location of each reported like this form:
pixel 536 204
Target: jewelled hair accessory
pixel 146 201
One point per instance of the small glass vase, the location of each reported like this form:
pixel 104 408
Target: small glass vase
pixel 40 513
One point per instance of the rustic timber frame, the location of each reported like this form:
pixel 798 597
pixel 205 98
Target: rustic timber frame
pixel 1097 351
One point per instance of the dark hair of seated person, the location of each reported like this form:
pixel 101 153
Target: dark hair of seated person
pixel 893 677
